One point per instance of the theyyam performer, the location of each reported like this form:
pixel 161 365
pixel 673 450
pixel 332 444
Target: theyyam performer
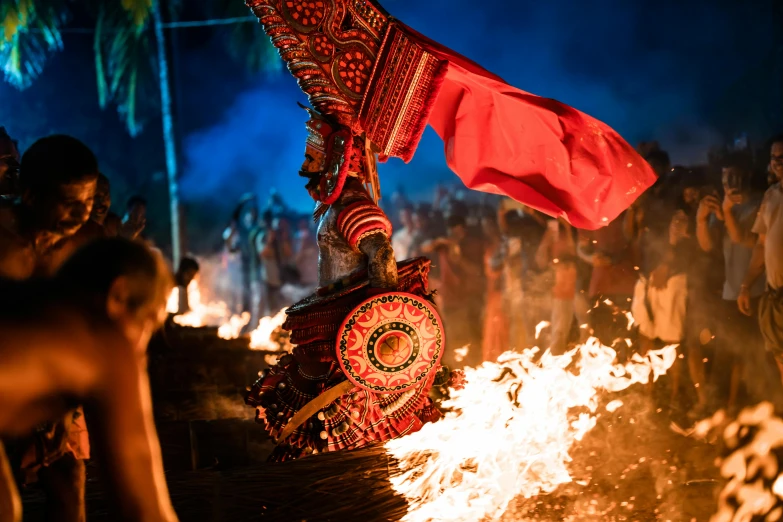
pixel 368 343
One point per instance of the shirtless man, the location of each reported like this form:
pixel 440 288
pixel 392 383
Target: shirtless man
pixel 38 231
pixel 81 338
pixel 57 183
pixel 101 213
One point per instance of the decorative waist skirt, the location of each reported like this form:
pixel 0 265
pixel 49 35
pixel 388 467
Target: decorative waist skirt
pixel 360 416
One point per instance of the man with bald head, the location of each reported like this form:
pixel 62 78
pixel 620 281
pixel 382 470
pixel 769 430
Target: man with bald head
pixel 57 180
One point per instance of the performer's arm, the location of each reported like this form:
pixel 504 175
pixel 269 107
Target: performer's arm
pixel 380 261
pixel 367 229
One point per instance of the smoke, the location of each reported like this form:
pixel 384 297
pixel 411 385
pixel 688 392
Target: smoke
pixel 256 146
pixel 659 73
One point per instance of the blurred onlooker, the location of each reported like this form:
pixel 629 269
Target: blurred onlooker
pixel 402 239
pixel 659 161
pixel 705 287
pixel 558 250
pixel 276 253
pixel 660 302
pixel 102 201
pixel 460 289
pixel 728 223
pixel 135 219
pixel 188 271
pixel 768 255
pixel 307 255
pixel 240 237
pixel 422 228
pixel 9 164
pixel 510 220
pixel 612 280
pixel 101 208
pixel 276 204
pixel 495 334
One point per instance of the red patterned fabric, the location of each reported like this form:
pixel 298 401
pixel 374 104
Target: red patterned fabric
pixel 360 219
pixel 538 151
pixel 359 417
pixel 402 91
pixel 377 76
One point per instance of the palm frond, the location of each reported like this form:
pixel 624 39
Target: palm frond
pixel 31 33
pixel 100 70
pixel 124 61
pixel 139 10
pixel 248 43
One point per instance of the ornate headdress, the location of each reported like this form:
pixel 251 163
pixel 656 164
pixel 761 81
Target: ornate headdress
pixel 372 86
pixel 382 80
pixel 344 155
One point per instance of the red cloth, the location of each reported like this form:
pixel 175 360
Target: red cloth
pixel 538 151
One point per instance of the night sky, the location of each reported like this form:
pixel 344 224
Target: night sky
pixel 689 74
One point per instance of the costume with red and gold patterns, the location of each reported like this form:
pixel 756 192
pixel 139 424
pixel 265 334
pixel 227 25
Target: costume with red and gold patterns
pixel 356 262
pixel 375 84
pixel 386 82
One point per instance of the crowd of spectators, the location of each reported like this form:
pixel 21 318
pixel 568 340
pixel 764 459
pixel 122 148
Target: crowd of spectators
pixel 686 262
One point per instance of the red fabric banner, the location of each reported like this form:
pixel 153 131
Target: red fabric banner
pixel 538 151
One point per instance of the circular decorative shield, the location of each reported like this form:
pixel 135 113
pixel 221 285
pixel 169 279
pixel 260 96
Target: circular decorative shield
pixel 390 342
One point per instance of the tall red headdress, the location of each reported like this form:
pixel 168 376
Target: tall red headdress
pixel 385 82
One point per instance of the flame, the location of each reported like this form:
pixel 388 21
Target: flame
pixel 509 430
pixel 230 326
pixel 172 303
pixel 233 328
pixel 261 337
pixel 214 313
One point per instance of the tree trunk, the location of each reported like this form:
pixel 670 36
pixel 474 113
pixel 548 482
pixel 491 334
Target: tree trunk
pixel 168 133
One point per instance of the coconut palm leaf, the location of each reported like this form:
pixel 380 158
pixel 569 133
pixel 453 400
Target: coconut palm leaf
pixel 125 60
pixel 30 34
pixel 247 42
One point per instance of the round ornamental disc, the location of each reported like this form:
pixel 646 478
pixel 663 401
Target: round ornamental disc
pixel 390 342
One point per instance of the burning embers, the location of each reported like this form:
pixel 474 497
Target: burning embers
pixel 753 467
pixel 509 431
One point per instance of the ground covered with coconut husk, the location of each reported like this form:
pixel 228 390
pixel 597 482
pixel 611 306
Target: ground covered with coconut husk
pixel 632 466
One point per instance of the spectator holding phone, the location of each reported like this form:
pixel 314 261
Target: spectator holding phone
pixel 727 224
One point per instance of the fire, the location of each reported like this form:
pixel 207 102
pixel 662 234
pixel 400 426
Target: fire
pixel 233 327
pixel 261 337
pixel 215 313
pixel 509 431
